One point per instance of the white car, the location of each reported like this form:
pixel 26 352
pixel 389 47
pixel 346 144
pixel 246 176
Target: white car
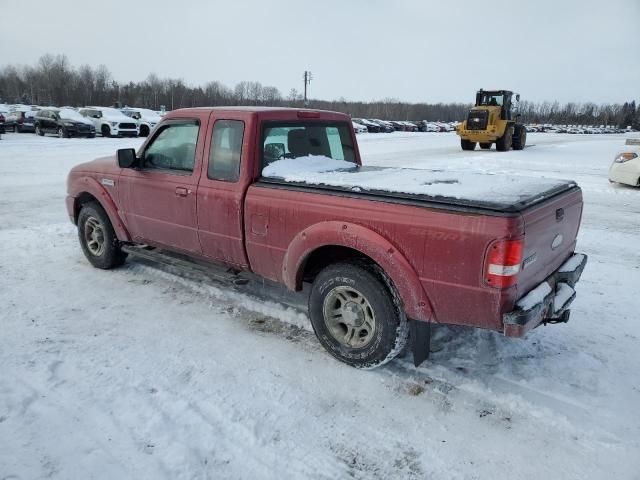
pixel 626 166
pixel 147 119
pixel 111 122
pixel 359 128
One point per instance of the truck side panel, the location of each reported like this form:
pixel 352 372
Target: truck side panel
pixel 445 249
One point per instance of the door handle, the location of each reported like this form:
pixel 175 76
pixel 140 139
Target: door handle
pixel 181 192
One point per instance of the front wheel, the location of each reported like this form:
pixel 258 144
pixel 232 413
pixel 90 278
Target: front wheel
pixel 106 131
pixel 519 137
pixel 467 144
pixel 356 315
pixel 62 133
pixel 504 143
pixel 39 131
pixel 98 239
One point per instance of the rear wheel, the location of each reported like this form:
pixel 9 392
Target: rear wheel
pixel 356 314
pixel 504 143
pixel 485 146
pixel 467 144
pixel 39 131
pixel 519 137
pixel 98 239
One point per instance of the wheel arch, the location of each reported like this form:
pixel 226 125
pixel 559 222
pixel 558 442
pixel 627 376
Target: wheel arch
pixel 89 190
pixel 329 242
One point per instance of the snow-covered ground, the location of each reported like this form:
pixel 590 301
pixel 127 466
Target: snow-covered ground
pixel 138 373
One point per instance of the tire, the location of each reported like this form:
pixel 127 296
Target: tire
pixel 62 133
pixel 467 144
pixel 16 128
pixel 98 239
pixel 93 135
pixel 106 131
pixel 369 327
pixel 505 141
pixel 485 146
pixel 144 131
pixel 519 137
pixel 39 131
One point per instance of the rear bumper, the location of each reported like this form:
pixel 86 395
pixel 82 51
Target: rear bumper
pixel 549 302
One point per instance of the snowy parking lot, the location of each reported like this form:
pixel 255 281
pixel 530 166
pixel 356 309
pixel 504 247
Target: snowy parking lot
pixel 139 373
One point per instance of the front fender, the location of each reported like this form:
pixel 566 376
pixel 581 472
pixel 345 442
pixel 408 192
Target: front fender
pixel 415 300
pixel 90 185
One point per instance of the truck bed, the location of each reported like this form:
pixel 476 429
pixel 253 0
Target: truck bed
pixel 496 194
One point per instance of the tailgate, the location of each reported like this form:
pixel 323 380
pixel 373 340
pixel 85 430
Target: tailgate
pixel 550 230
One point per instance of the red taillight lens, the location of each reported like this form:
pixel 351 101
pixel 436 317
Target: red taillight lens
pixel 502 263
pixel 308 114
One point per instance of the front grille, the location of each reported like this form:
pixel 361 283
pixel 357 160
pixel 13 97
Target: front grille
pixel 128 126
pixel 83 128
pixel 477 120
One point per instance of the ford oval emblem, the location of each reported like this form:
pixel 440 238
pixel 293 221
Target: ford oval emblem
pixel 557 241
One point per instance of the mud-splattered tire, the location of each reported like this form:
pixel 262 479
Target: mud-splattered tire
pixel 467 144
pixel 357 315
pixel 98 239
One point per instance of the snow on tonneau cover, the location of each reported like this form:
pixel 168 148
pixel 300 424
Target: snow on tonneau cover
pixel 507 193
pixel 551 208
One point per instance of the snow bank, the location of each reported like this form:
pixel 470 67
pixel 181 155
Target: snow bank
pixel 464 185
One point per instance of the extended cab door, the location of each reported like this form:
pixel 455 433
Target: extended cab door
pixel 158 200
pixel 223 184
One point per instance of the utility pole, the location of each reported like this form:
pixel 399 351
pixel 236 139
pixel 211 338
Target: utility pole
pixel 307 81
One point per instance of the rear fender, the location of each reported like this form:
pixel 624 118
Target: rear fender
pixel 415 301
pixel 93 187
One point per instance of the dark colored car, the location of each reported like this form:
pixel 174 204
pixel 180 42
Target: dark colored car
pixel 63 122
pixel 2 120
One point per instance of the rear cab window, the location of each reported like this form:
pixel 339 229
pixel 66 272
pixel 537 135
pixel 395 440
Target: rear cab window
pixel 290 140
pixel 226 150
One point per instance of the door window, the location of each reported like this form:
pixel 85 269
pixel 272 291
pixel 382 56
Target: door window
pixel 173 148
pixel 226 150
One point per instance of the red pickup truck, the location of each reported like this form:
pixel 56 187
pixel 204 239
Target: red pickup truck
pixel 282 193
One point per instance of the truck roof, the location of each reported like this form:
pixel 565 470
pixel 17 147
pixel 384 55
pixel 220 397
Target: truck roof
pixel 276 112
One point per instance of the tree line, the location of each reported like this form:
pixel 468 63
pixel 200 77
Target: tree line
pixel 54 81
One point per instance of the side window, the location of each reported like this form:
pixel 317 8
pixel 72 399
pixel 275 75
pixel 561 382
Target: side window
pixel 173 148
pixel 226 150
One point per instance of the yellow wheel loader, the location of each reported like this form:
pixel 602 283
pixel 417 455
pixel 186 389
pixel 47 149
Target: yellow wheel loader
pixel 491 121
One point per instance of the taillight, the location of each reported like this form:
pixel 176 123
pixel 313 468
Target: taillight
pixel 502 263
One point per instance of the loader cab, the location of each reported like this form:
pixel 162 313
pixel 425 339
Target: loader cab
pixel 496 98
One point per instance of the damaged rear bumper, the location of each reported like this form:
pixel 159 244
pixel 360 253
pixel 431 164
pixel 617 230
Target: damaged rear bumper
pixel 549 302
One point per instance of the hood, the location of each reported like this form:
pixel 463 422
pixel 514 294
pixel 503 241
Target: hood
pixel 116 117
pixel 102 165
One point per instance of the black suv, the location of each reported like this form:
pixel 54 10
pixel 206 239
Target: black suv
pixel 64 122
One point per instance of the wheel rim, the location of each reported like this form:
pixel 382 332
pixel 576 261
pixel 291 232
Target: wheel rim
pixel 349 317
pixel 60 133
pixel 94 236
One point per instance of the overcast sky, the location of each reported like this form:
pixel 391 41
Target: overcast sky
pixel 413 50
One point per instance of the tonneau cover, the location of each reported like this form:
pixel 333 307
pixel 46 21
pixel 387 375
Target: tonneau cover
pixel 487 191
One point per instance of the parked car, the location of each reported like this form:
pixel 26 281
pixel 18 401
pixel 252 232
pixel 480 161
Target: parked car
pixel 371 127
pixel 146 119
pixel 21 121
pixel 359 128
pixel 626 165
pixel 63 122
pixel 384 251
pixel 384 126
pixel 110 122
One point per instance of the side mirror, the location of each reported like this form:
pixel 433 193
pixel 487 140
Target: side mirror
pixel 127 158
pixel 274 150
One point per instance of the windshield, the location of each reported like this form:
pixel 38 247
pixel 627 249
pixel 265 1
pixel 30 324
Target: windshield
pixel 488 99
pixel 295 140
pixel 68 114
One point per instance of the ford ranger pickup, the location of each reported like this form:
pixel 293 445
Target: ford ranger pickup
pixel 385 252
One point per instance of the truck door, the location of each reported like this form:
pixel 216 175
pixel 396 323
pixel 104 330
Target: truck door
pixel 222 189
pixel 159 199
